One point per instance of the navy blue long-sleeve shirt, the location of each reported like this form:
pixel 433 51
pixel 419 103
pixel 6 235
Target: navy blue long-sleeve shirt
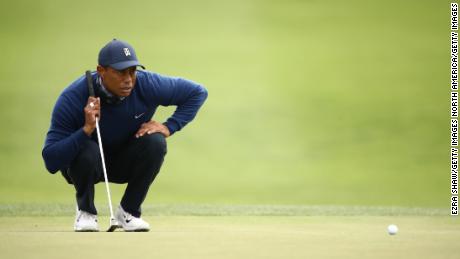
pixel 119 122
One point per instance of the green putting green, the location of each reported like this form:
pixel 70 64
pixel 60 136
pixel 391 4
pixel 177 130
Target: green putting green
pixel 236 237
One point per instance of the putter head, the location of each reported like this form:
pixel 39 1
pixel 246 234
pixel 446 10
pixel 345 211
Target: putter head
pixel 113 225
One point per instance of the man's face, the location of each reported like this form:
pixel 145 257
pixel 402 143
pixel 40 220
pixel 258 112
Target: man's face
pixel 118 82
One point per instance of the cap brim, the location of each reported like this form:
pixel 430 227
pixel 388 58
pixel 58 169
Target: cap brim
pixel 126 64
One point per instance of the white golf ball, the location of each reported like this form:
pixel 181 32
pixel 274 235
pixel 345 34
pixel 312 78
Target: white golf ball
pixel 392 229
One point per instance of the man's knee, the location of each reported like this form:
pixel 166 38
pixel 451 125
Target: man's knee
pixel 88 156
pixel 84 164
pixel 154 144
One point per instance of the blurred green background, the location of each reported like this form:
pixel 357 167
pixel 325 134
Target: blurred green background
pixel 310 102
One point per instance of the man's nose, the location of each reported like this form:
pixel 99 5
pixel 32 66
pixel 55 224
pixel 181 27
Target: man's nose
pixel 128 79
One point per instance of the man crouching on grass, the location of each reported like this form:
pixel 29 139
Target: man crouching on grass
pixel 134 145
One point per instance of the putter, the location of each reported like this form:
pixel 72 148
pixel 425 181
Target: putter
pixel 113 222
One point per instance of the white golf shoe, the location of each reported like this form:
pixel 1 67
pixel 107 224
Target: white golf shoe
pixel 130 223
pixel 85 222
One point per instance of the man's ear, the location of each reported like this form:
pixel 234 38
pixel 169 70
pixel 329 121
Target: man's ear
pixel 101 71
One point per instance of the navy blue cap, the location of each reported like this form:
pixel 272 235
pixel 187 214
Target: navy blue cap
pixel 118 55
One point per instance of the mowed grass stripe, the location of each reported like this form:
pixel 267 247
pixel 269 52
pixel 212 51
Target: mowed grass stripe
pixel 228 237
pixel 25 209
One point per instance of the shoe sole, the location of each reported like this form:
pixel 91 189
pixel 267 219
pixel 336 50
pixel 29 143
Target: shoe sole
pixel 138 230
pixel 86 230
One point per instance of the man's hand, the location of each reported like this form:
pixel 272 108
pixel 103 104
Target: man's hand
pixel 152 127
pixel 92 110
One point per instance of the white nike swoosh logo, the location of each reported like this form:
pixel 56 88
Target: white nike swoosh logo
pixel 138 116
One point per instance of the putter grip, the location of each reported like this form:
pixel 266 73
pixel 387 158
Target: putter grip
pixel 89 80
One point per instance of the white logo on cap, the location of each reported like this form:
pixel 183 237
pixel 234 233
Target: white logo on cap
pixel 127 53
